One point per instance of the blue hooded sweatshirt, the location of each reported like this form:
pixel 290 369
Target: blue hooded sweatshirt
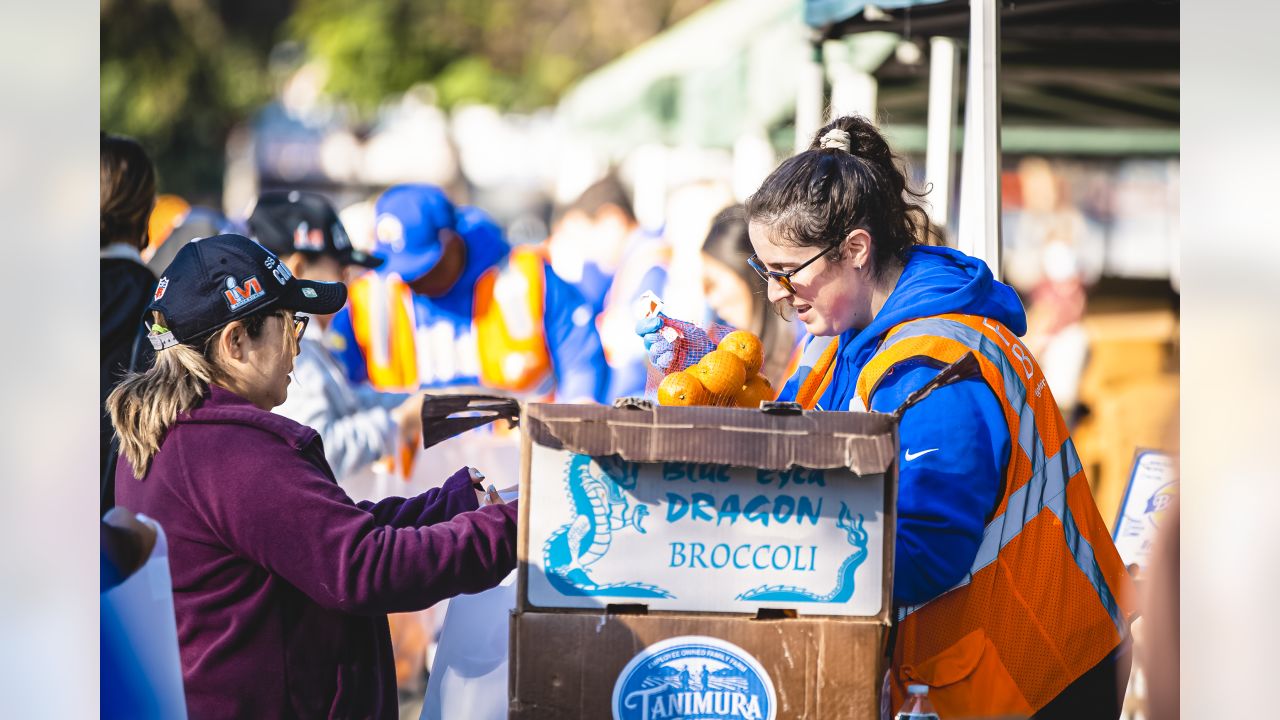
pixel 955 443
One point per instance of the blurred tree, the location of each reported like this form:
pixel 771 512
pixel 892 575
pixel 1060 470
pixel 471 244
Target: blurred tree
pixel 180 74
pixel 516 54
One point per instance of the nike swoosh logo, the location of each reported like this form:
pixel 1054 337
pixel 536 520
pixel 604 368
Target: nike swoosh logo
pixel 912 456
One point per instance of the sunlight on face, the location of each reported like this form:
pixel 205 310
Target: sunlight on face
pixel 261 374
pixel 830 296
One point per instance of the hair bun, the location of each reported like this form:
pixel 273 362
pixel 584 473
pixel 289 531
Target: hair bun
pixel 835 139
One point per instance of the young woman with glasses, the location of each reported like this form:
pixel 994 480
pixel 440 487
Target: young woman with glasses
pixel 1010 596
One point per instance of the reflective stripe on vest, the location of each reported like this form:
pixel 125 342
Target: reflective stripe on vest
pixel 1052 614
pixel 382 320
pixel 509 312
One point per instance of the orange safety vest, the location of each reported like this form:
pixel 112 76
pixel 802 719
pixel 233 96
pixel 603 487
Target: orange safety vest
pixel 1047 596
pixel 510 303
pixel 383 325
pixel 814 368
pixel 507 323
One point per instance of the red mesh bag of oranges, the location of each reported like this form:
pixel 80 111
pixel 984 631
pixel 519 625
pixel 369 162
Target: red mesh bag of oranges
pixel 717 365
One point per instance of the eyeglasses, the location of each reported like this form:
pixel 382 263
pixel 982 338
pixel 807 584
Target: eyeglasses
pixel 784 278
pixel 300 324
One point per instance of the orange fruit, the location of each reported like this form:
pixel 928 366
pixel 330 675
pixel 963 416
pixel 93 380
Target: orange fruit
pixel 722 374
pixel 746 347
pixel 681 388
pixel 756 389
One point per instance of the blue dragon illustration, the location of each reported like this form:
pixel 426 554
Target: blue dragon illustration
pixel 843 590
pixel 600 508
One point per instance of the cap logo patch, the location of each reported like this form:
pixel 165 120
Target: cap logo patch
pixel 390 231
pixel 281 273
pixel 308 292
pixel 306 237
pixel 315 239
pixel 238 296
pixel 160 288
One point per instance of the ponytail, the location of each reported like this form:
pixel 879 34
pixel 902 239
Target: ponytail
pixel 145 405
pixel 847 180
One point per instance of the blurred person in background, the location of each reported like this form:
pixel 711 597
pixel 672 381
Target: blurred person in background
pixel 1160 652
pixel 614 263
pixel 130 686
pixel 590 237
pixel 1039 210
pixel 737 300
pixel 455 305
pixel 127 193
pixel 736 296
pixel 165 216
pixel 196 222
pixel 1056 335
pixel 358 424
pixel 281 583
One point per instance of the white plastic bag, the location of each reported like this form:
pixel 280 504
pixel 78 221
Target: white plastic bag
pixel 469 674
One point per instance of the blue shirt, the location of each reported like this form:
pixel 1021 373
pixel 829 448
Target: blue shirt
pixel 447 322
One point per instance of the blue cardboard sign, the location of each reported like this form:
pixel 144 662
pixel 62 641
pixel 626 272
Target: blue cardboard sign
pixel 694 677
pixel 710 538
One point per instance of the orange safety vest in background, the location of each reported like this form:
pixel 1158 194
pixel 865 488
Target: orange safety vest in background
pixel 382 322
pixel 1047 597
pixel 508 332
pixel 508 311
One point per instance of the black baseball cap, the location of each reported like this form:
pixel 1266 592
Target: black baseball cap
pixel 292 221
pixel 215 280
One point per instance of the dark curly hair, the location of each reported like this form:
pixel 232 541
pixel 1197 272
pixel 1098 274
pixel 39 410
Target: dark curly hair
pixel 837 186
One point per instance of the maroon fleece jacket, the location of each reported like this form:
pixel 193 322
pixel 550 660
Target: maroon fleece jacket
pixel 281 584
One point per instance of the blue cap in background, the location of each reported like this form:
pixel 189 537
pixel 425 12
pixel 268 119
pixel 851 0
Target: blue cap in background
pixel 407 225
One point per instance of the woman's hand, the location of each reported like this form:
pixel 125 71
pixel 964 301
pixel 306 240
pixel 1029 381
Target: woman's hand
pixel 483 496
pixel 673 344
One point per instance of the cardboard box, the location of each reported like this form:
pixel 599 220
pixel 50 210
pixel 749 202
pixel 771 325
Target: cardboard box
pixel 703 562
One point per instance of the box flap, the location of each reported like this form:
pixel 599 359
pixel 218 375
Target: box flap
pixel 862 442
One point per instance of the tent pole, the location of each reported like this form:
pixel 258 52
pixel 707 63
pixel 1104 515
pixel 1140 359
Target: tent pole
pixel 979 231
pixel 810 97
pixel 939 167
pixel 853 87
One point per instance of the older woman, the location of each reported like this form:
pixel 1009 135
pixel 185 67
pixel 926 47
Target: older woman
pixel 281 584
